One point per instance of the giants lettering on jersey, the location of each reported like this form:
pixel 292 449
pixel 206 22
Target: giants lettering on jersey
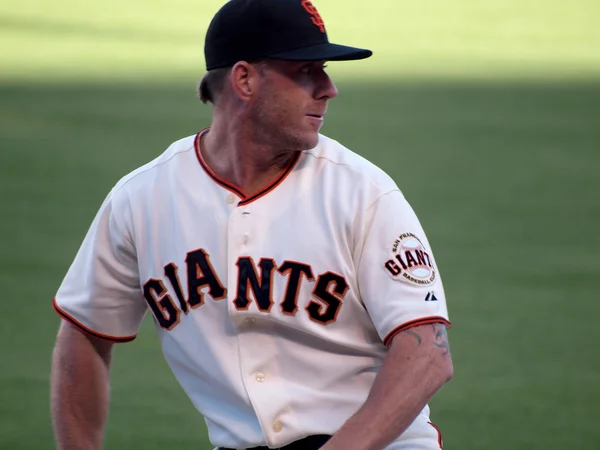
pixel 411 261
pixel 254 283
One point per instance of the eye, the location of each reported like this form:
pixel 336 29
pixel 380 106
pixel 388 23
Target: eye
pixel 309 68
pixel 306 69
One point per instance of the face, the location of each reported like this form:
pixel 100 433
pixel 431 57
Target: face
pixel 291 102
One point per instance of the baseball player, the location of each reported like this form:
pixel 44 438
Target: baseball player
pixel 295 294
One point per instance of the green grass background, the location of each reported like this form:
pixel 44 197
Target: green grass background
pixel 487 113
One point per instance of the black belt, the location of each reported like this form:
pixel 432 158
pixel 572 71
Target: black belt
pixel 308 443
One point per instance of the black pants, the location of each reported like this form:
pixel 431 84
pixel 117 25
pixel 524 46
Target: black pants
pixel 308 443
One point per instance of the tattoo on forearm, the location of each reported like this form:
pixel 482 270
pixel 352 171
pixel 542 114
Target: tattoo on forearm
pixel 414 334
pixel 441 338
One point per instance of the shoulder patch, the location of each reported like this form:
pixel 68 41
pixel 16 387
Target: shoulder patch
pixel 411 261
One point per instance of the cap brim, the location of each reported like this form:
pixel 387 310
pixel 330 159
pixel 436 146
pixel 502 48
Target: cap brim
pixel 324 52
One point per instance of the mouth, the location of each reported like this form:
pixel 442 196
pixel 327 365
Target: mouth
pixel 316 116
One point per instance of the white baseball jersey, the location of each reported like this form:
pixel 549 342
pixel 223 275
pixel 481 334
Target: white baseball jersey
pixel 273 310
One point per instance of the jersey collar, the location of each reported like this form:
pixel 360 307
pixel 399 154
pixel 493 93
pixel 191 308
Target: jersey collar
pixel 233 188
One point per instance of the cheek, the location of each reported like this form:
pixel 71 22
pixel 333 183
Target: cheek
pixel 285 111
pixel 280 107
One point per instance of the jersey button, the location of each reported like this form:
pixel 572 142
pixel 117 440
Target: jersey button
pixel 277 426
pixel 260 377
pixel 250 320
pixel 230 199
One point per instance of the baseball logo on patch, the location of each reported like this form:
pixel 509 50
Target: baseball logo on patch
pixel 411 261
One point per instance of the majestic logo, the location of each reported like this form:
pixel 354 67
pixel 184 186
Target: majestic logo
pixel 314 15
pixel 430 297
pixel 411 262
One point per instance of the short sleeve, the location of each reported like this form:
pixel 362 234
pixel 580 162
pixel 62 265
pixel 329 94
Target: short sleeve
pixel 399 281
pixel 101 292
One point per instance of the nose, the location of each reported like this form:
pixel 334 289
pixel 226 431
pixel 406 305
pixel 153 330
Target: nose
pixel 326 89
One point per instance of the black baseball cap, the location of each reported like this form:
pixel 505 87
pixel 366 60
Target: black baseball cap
pixel 293 30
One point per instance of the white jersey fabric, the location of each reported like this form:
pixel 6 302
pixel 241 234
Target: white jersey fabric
pixel 273 311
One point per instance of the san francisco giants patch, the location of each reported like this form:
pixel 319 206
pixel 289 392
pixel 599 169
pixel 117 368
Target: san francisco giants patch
pixel 411 261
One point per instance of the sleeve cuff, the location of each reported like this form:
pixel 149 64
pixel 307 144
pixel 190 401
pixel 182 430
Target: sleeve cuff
pixel 414 323
pixel 87 330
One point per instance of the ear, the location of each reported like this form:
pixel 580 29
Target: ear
pixel 245 80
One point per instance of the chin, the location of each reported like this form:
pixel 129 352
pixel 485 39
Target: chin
pixel 301 141
pixel 311 141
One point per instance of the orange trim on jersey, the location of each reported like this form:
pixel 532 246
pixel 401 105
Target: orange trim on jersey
pixel 208 170
pixel 235 189
pixel 440 442
pixel 87 330
pixel 275 183
pixel 414 323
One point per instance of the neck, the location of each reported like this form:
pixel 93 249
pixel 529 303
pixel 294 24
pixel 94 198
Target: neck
pixel 233 153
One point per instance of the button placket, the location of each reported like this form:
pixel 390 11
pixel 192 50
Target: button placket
pixel 235 229
pixel 246 224
pixel 260 375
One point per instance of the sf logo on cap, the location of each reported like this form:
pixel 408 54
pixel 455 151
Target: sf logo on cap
pixel 314 14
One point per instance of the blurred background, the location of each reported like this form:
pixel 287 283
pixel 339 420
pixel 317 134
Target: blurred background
pixel 486 113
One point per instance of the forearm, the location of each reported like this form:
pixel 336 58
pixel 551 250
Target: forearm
pixel 79 391
pixel 405 383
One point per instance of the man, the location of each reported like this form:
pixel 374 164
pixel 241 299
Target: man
pixel 293 289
